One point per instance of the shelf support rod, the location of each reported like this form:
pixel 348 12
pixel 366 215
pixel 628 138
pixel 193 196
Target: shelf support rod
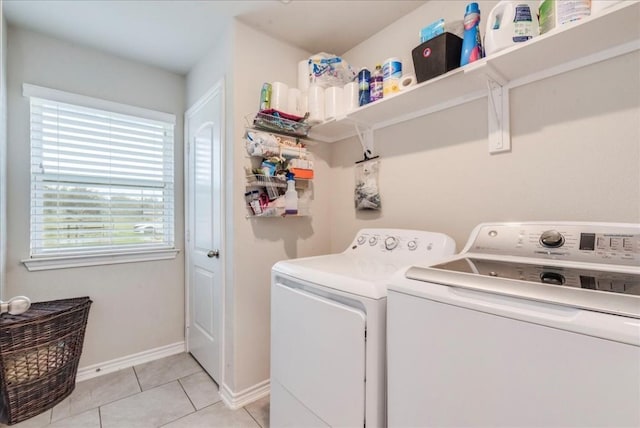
pixel 498 116
pixel 366 140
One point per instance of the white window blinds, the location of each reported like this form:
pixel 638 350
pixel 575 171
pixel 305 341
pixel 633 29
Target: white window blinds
pixel 100 181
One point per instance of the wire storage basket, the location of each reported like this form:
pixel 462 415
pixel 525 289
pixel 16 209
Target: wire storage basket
pixel 39 354
pixel 277 122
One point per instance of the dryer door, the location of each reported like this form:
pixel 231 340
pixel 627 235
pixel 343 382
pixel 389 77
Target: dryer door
pixel 318 356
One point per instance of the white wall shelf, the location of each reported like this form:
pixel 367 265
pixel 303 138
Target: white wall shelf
pixel 614 32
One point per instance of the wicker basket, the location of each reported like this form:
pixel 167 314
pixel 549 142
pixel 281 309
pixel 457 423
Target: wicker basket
pixel 39 354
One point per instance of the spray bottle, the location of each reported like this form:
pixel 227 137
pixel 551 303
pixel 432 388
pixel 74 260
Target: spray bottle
pixel 471 44
pixel 291 196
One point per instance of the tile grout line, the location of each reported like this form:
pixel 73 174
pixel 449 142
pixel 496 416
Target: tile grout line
pixel 195 409
pixel 70 415
pixel 137 378
pixel 250 415
pixel 189 414
pixel 170 380
pixel 135 373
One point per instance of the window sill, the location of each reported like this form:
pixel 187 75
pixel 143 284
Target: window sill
pixel 72 261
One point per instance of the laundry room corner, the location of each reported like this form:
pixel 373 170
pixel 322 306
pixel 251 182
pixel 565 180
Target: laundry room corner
pixel 247 58
pixel 260 242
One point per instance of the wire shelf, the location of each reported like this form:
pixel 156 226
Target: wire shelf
pixel 258 180
pixel 275 211
pixel 274 123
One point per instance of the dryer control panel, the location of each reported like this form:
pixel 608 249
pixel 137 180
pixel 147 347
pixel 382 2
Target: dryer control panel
pixel 412 246
pixel 606 243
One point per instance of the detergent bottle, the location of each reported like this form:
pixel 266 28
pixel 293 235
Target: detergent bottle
pixel 471 43
pixel 510 23
pixel 554 13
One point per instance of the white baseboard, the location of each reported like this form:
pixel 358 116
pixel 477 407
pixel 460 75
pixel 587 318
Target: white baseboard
pixel 100 369
pixel 237 400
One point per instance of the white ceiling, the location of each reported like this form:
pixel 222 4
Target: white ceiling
pixel 175 34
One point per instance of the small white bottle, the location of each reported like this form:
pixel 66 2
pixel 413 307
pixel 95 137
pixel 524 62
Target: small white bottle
pixel 291 198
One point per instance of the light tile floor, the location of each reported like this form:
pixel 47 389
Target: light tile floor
pixel 172 392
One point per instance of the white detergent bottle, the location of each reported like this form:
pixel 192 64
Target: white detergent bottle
pixel 510 23
pixel 554 13
pixel 291 198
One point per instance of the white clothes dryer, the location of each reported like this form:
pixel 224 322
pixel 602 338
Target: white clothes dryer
pixel 328 328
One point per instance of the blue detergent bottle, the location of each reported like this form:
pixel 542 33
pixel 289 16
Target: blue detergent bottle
pixel 471 43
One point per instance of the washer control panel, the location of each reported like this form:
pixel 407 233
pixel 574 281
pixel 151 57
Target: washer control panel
pixel 607 243
pixel 410 244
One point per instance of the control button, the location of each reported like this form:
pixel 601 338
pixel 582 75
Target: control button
pixel 361 240
pixel 493 233
pixel 551 239
pixel 627 244
pixel 390 243
pixel 615 243
pixel 618 286
pixel 605 285
pixel 552 278
pixel 373 240
pixel 412 245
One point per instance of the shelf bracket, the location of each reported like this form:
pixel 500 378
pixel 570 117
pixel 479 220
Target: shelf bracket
pixel 498 115
pixel 366 140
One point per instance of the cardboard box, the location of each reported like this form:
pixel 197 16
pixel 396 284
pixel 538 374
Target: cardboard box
pixel 437 56
pixel 302 173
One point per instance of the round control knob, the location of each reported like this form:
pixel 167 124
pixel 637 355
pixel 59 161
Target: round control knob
pixel 412 245
pixel 373 240
pixel 551 239
pixel 361 240
pixel 390 243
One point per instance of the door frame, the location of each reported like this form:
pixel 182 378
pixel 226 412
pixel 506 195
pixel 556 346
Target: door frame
pixel 218 87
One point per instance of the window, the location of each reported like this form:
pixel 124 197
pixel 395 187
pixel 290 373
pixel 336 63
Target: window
pixel 101 181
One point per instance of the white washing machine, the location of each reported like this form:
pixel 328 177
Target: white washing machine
pixel 531 325
pixel 328 316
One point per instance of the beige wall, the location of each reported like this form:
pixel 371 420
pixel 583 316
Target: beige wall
pixel 137 306
pixel 254 245
pixel 575 153
pixel 3 151
pixel 261 242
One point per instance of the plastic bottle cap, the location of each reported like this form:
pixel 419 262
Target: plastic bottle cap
pixel 472 8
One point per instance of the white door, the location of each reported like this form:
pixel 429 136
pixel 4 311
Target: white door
pixel 204 133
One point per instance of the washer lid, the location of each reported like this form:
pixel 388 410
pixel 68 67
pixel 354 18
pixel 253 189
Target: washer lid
pixel 577 277
pixel 343 272
pixel 603 291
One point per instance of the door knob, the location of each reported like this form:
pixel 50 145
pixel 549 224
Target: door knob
pixel 213 253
